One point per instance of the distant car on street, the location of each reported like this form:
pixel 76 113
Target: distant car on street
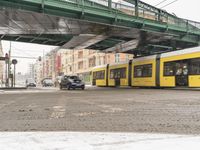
pixel 30 82
pixel 47 82
pixel 71 82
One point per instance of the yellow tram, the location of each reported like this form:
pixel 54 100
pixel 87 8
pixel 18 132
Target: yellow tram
pixel 172 69
pixel 100 75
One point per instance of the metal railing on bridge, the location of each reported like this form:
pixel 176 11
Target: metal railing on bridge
pixel 142 10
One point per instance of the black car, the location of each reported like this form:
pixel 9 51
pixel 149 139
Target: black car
pixel 71 82
pixel 47 82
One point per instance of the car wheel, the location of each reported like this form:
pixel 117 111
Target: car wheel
pixel 83 88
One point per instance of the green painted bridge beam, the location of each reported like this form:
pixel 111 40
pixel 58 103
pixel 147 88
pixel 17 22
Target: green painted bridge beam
pixel 47 39
pixel 100 14
pixel 66 9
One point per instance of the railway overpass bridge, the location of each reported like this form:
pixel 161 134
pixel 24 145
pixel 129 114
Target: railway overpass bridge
pixel 130 26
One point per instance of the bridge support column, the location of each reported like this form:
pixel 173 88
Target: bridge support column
pixel 110 4
pixel 136 8
pixel 42 6
pixel 159 15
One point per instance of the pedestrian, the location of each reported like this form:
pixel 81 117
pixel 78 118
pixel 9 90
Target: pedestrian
pixel 1 83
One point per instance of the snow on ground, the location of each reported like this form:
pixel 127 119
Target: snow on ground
pixel 96 141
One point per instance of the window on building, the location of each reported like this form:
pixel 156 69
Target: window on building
pixel 117 58
pixel 127 57
pixel 80 65
pixel 92 62
pixel 91 52
pixel 143 70
pixel 195 66
pixel 99 74
pixel 118 73
pixel 104 59
pixel 80 54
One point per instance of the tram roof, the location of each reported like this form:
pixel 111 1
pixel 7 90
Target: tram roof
pixel 181 52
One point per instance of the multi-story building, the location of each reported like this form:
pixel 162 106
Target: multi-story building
pixel 81 62
pixel 2 63
pixel 74 62
pixel 38 71
pixel 31 71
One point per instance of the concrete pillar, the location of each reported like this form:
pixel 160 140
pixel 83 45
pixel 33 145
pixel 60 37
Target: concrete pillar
pixel 2 65
pixel 136 8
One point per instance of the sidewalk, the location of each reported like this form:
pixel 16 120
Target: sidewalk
pixel 13 88
pixel 96 141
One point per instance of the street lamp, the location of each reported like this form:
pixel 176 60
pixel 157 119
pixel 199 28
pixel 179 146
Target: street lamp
pixel 7 76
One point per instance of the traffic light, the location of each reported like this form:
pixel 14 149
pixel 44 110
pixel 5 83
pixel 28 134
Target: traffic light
pixel 40 58
pixel 6 56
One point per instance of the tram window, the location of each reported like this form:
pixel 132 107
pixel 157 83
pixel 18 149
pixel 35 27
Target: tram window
pixel 138 72
pixel 143 71
pixel 118 73
pixel 147 71
pixel 123 73
pixel 99 75
pixel 111 74
pixel 195 66
pixel 169 69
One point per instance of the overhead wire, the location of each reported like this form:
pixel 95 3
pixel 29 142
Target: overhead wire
pixel 161 2
pixel 169 3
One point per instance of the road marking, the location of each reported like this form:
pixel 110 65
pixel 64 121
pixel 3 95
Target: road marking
pixel 58 112
pixel 8 103
pixel 83 114
pixel 110 109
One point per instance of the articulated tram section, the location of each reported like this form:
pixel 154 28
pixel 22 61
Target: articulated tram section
pixel 172 69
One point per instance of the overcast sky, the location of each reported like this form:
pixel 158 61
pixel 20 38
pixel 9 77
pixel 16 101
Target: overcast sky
pixel 188 9
pixel 25 50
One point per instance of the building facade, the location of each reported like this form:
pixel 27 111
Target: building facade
pixel 2 65
pixel 60 62
pixel 38 71
pixel 81 62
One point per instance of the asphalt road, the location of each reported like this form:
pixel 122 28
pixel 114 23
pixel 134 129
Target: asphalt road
pixel 101 109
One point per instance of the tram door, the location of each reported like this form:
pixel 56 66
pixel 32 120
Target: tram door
pixel 181 70
pixel 94 82
pixel 117 82
pixel 94 78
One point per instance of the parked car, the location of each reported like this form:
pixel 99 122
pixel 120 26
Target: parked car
pixel 57 81
pixel 71 82
pixel 30 82
pixel 47 82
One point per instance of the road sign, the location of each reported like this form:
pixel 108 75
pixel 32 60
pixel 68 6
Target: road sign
pixel 14 61
pixel 10 75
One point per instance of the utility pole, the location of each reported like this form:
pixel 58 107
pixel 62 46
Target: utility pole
pixel 73 64
pixel 43 66
pixel 9 65
pixel 14 62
